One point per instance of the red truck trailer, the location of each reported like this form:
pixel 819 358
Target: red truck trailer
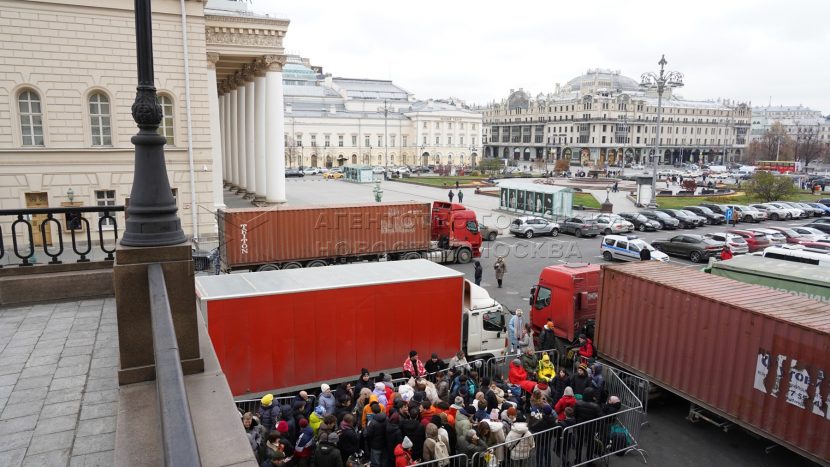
pixel 285 330
pixel 754 356
pixel 293 237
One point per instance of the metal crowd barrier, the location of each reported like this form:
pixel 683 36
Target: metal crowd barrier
pixel 532 450
pixel 458 460
pixel 252 405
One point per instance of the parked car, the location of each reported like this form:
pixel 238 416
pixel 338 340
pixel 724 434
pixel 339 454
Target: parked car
pixel 628 248
pixel 695 247
pixel 293 173
pixel 822 226
pixel 773 213
pixel 641 222
pixel 791 235
pixel 821 221
pixel 823 246
pixel 747 213
pixel 811 210
pixel 331 175
pixel 581 227
pixel 488 233
pixel 810 234
pixel 529 226
pixel 336 169
pixel 716 208
pixel 323 170
pixel 824 201
pixel 794 213
pixel 824 208
pixel 378 169
pixel 701 221
pixel 775 237
pixel 737 244
pixel 310 171
pixel 799 254
pixel 613 224
pixel 712 218
pixel 666 221
pixel 755 240
pixel 801 212
pixel 686 222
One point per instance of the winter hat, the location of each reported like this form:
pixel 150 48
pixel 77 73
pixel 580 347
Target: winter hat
pixel 412 353
pixel 333 438
pixel 545 357
pixel 511 412
pixel 459 401
pixel 282 427
pixel 547 409
pixel 387 378
pixel 407 443
pixel 380 387
pixel 583 366
pixel 303 423
pixel 320 411
pixel 363 371
pixel 267 400
pixel 516 361
pixel 494 414
pixel 542 386
pixel 613 400
pixel 549 324
pixel 325 387
pixel 569 391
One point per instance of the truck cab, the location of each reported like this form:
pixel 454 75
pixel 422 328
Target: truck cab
pixel 483 324
pixel 568 295
pixel 455 227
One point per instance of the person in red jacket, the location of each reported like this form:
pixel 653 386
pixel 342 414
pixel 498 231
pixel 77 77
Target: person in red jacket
pixel 518 376
pixel 586 347
pixel 412 366
pixel 567 400
pixel 726 253
pixel 403 453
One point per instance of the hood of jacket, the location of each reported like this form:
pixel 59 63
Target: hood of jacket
pixel 519 427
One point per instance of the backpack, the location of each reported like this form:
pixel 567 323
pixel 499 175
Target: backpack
pixel 442 454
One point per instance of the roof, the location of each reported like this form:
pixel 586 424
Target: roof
pixel 370 89
pixel 611 79
pixel 775 269
pixel 253 284
pixel 536 187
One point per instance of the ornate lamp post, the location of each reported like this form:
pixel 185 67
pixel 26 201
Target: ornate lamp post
pixel 670 79
pixel 152 217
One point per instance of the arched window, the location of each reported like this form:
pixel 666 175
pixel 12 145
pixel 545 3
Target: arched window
pixel 99 120
pixel 31 118
pixel 166 125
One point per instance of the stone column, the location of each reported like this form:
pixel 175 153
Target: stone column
pixel 226 138
pixel 215 133
pixel 259 133
pixel 241 162
pixel 234 146
pixel 274 122
pixel 250 122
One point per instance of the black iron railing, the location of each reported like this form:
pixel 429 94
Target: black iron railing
pixel 23 232
pixel 177 433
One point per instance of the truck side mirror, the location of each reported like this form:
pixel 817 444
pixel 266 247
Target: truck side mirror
pixel 532 295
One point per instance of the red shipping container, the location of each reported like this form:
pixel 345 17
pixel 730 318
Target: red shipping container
pixel 285 330
pixel 300 233
pixel 753 355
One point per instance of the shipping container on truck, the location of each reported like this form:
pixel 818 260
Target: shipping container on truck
pixel 292 237
pixel 754 356
pixel 280 331
pixel 804 280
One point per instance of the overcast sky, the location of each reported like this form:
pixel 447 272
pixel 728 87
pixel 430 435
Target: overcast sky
pixel 478 51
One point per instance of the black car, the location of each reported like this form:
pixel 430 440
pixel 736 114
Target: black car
pixel 695 247
pixel 823 226
pixel 641 222
pixel 712 218
pixel 824 201
pixel 686 222
pixel 666 221
pixel 294 173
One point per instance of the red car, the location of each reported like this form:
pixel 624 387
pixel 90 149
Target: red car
pixel 755 240
pixel 824 246
pixel 792 235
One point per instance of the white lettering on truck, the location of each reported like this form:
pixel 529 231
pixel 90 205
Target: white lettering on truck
pixel 243 239
pixel 798 382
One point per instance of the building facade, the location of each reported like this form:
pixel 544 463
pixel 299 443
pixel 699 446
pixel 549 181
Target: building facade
pixel 331 121
pixel 68 81
pixel 795 120
pixel 604 119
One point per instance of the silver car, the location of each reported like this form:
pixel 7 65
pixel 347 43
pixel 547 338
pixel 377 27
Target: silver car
pixel 798 211
pixel 737 244
pixel 775 237
pixel 773 213
pixel 613 224
pixel 529 226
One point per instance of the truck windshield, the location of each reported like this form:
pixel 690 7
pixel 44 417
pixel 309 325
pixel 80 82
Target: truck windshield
pixel 472 226
pixel 542 298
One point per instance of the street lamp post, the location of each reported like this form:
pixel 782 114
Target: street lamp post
pixel 385 110
pixel 670 79
pixel 152 214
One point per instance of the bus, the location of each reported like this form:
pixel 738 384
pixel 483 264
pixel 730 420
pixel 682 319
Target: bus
pixel 777 166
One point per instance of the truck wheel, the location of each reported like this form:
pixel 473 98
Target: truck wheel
pixel 607 256
pixel 292 265
pixel 491 236
pixel 641 227
pixel 268 267
pixel 529 234
pixel 578 233
pixel 695 257
pixel 464 256
pixel 316 264
pixel 554 233
pixel 411 255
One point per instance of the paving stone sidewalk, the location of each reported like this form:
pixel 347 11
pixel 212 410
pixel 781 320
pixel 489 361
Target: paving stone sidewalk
pixel 58 386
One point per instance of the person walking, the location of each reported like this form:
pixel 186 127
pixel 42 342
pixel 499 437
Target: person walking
pixel 500 267
pixel 451 195
pixel 456 184
pixel 460 196
pixel 478 272
pixel 514 331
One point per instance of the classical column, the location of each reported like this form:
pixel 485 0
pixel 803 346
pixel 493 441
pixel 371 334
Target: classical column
pixel 226 135
pixel 234 144
pixel 274 139
pixel 259 133
pixel 215 132
pixel 241 162
pixel 250 122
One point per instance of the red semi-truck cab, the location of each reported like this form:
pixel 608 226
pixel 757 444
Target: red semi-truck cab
pixel 568 294
pixel 455 226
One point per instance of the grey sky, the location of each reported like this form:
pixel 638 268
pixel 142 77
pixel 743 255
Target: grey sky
pixel 478 51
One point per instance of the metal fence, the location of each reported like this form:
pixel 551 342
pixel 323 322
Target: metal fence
pixel 252 405
pixel 526 450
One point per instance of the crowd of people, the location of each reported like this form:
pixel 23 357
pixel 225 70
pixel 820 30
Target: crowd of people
pixel 441 410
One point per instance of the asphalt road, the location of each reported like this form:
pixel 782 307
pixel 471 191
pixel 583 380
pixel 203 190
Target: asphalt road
pixel 669 439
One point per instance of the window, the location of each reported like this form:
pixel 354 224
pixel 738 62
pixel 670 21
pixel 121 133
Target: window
pixel 313 141
pixel 425 124
pixel 380 141
pixel 31 119
pixel 449 125
pixel 403 138
pixel 437 140
pixel 366 141
pixel 493 321
pixel 437 124
pixel 327 140
pixel 340 141
pixel 99 116
pixel 449 140
pixel 354 140
pixel 461 141
pixel 542 298
pixel 166 126
pixel 299 139
pixel 393 141
pixel 105 198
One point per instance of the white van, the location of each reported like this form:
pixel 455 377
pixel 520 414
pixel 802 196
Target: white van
pixel 798 254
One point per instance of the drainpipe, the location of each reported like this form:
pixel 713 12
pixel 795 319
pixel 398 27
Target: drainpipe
pixel 193 208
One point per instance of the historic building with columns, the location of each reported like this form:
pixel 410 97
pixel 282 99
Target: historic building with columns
pixel 603 118
pixel 796 120
pixel 68 80
pixel 332 121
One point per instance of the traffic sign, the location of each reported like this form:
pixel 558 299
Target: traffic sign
pixel 728 214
